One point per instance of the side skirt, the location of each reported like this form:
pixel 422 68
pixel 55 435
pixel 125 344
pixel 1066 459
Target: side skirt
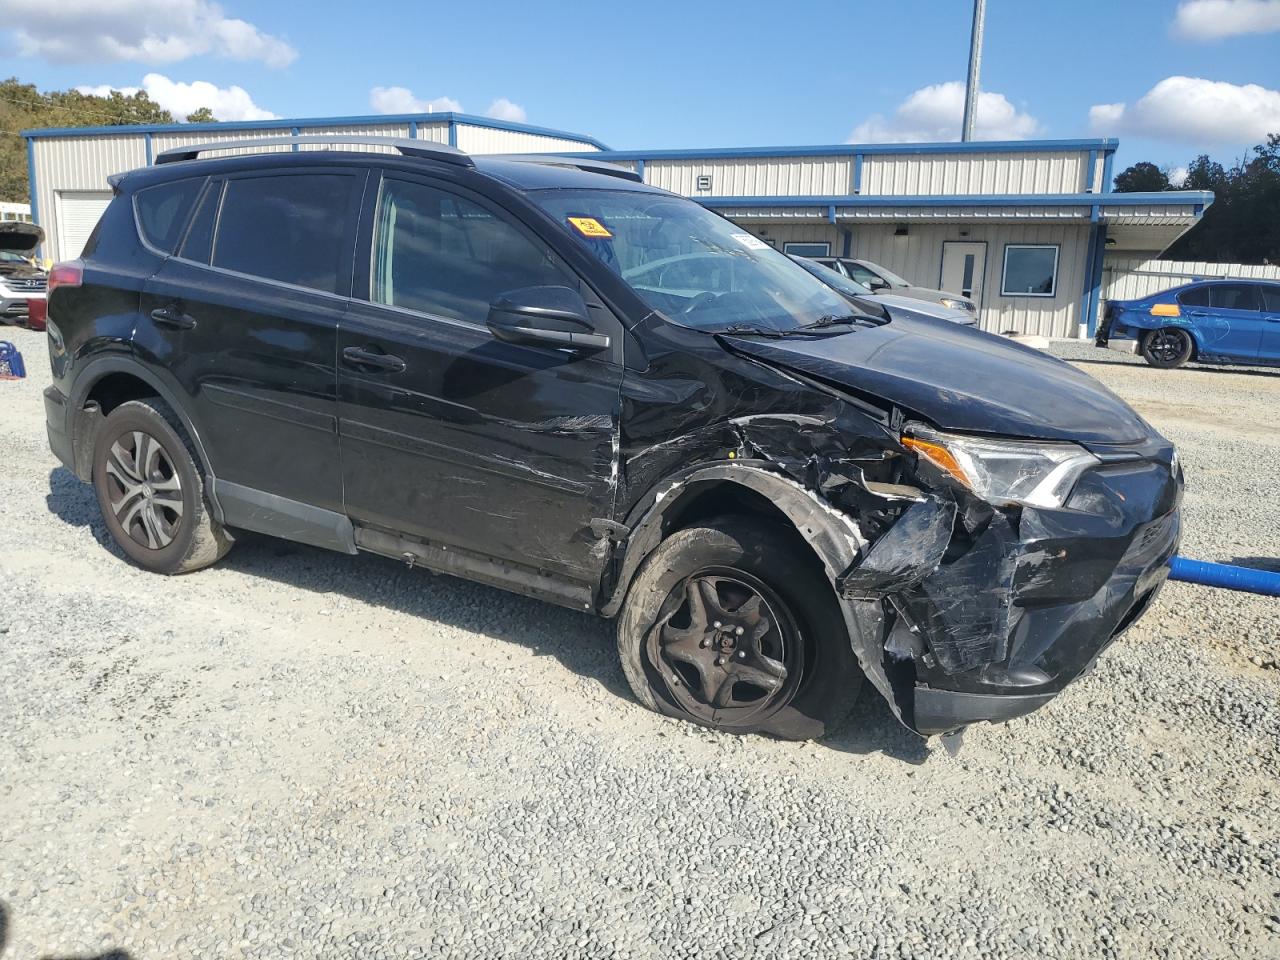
pixel 276 516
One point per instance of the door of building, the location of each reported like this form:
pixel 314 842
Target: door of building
pixel 964 265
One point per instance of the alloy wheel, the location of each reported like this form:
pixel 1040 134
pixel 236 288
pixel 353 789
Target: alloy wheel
pixel 1166 346
pixel 144 490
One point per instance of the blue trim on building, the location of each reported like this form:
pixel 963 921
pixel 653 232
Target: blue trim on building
pixel 311 123
pixel 146 143
pixel 847 245
pixel 1189 197
pixel 1106 171
pixel 857 173
pixel 640 170
pixel 453 133
pixel 296 131
pixel 1098 249
pixel 31 191
pixel 413 129
pixel 854 149
pixel 1093 171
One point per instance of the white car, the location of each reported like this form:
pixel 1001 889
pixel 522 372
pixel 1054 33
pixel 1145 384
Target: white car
pixel 892 303
pixel 884 281
pixel 21 281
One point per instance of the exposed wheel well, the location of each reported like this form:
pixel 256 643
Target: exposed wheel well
pixel 117 388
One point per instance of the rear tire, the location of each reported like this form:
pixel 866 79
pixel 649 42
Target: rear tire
pixel 151 491
pixel 733 625
pixel 1167 348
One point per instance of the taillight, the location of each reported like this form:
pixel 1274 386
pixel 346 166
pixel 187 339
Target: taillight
pixel 69 274
pixel 37 314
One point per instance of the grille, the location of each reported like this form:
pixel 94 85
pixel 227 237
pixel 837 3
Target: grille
pixel 26 284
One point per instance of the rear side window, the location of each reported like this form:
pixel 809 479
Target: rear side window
pixel 1195 297
pixel 163 211
pixel 1234 296
pixel 441 254
pixel 296 229
pixel 1271 298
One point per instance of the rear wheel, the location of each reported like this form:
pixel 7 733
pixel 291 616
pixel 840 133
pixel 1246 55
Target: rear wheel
pixel 151 490
pixel 733 625
pixel 1167 348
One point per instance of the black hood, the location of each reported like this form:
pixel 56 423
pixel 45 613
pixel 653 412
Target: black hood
pixel 959 378
pixel 19 237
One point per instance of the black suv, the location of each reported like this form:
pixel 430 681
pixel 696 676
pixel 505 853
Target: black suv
pixel 541 374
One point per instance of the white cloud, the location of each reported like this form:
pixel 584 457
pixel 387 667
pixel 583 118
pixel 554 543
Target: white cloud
pixel 180 99
pixel 504 109
pixel 936 112
pixel 1177 175
pixel 402 100
pixel 1194 110
pixel 142 31
pixel 1215 19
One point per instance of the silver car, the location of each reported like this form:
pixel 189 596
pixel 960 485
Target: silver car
pixel 872 302
pixel 882 280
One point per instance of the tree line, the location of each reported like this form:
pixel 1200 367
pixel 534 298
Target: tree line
pixel 23 107
pixel 1243 224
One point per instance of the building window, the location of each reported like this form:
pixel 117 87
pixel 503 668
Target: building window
pixel 807 249
pixel 1030 270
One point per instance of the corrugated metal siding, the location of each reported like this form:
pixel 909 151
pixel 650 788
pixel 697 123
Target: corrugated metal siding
pixel 918 258
pixel 755 176
pixel 960 173
pixel 1151 213
pixel 434 132
pixel 360 130
pixel 489 140
pixel 1128 278
pixel 80 164
pixel 161 142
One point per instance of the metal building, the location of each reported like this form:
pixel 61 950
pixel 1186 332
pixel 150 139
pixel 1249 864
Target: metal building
pixel 970 218
pixel 69 167
pixel 976 218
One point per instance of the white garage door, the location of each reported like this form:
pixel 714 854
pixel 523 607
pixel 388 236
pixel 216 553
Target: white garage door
pixel 78 214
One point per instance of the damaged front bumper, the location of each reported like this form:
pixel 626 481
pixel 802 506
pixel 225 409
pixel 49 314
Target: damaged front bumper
pixel 988 613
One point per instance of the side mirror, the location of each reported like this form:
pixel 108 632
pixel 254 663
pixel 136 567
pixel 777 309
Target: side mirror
pixel 545 317
pixel 878 284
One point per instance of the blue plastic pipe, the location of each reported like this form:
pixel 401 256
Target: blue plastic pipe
pixel 1225 575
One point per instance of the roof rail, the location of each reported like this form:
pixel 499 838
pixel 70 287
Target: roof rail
pixel 407 147
pixel 578 163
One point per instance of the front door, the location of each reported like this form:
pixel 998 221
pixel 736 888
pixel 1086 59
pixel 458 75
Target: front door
pixel 245 316
pixel 1231 326
pixel 448 434
pixel 1270 323
pixel 963 267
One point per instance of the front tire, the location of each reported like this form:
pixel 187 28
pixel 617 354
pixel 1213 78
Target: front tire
pixel 1167 348
pixel 151 490
pixel 733 625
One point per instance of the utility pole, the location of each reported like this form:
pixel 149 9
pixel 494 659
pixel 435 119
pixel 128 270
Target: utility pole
pixel 975 68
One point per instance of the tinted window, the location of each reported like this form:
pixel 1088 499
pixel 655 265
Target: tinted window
pixel 1271 298
pixel 860 273
pixel 293 228
pixel 1234 296
pixel 807 249
pixel 199 240
pixel 444 255
pixel 1030 271
pixel 163 211
pixel 1195 297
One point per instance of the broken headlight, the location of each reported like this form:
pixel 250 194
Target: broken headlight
pixel 1036 474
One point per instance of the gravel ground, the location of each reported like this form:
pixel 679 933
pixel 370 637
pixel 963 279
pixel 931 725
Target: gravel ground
pixel 298 753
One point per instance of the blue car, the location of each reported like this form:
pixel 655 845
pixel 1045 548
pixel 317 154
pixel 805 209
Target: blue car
pixel 1209 321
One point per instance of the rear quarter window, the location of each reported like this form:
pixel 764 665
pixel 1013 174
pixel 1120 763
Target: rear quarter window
pixel 1195 297
pixel 163 210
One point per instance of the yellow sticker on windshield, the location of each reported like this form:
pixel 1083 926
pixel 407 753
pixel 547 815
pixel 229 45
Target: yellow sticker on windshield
pixel 589 227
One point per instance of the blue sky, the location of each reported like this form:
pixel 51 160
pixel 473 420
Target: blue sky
pixel 1170 80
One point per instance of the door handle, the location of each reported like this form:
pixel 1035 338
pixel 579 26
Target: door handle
pixel 360 357
pixel 172 316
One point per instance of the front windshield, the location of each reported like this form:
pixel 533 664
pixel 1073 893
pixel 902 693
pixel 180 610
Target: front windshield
pixel 698 269
pixel 8 256
pixel 893 279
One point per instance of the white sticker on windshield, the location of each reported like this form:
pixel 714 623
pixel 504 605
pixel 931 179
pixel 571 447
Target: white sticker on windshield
pixel 750 242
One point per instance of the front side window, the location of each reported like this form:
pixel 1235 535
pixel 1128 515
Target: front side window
pixel 1234 296
pixel 296 229
pixel 696 268
pixel 1271 298
pixel 1030 270
pixel 441 254
pixel 163 211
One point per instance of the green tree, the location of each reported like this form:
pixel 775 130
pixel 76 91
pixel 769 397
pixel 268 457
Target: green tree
pixel 1243 224
pixel 203 115
pixel 23 107
pixel 1141 178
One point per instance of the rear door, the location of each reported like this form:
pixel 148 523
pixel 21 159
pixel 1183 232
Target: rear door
pixel 1270 350
pixel 246 317
pixel 448 434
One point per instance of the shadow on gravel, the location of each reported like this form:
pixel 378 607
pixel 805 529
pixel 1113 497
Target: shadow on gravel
pixel 4 939
pixel 74 503
pixel 1191 368
pixel 1258 563
pixel 581 642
